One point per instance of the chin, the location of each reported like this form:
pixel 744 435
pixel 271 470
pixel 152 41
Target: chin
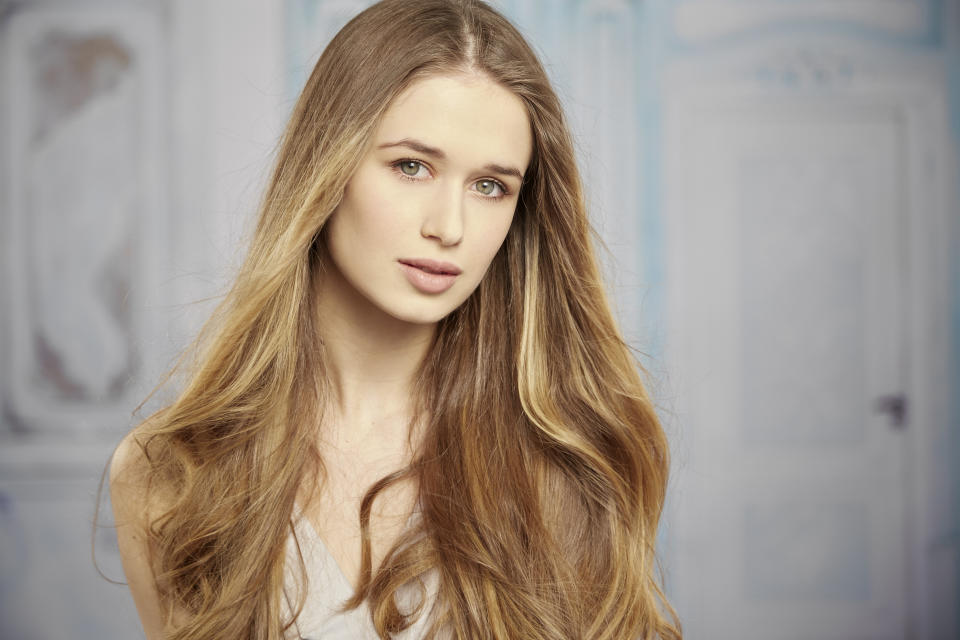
pixel 421 316
pixel 424 311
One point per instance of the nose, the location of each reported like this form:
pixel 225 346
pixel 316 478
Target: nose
pixel 444 218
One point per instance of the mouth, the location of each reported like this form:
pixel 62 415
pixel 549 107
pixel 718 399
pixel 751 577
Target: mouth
pixel 433 266
pixel 429 276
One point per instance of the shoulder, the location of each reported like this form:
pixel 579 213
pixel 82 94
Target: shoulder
pixel 130 478
pixel 138 491
pixel 129 456
pixel 133 496
pixel 135 505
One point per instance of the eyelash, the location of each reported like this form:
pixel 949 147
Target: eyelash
pixel 504 192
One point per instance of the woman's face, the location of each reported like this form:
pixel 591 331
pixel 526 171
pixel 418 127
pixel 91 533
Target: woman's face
pixel 435 192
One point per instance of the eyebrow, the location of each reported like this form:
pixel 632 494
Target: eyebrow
pixel 425 149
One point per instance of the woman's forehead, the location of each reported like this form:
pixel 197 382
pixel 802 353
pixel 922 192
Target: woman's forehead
pixel 468 117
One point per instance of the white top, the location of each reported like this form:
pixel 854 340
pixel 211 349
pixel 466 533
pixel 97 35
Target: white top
pixel 328 589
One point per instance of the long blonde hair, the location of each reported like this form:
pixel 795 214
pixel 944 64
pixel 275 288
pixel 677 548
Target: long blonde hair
pixel 543 467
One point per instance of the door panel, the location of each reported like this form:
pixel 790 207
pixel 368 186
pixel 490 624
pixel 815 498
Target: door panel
pixel 785 227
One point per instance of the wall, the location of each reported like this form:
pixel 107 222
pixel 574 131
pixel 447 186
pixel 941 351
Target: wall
pixel 134 137
pixel 175 107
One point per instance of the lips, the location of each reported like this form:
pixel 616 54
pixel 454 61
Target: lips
pixel 429 276
pixel 433 266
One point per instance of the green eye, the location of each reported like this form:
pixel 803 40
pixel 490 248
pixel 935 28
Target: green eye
pixel 487 187
pixel 410 167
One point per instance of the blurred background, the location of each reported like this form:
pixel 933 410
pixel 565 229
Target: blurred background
pixel 775 182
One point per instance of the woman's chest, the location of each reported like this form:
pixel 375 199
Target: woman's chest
pixel 326 591
pixel 335 512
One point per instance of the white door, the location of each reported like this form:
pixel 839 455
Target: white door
pixel 785 231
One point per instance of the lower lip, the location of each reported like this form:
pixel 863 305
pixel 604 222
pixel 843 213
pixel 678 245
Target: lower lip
pixel 427 282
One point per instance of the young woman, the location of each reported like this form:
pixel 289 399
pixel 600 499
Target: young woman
pixel 413 415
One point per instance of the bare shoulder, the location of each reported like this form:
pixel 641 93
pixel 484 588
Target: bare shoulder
pixel 129 456
pixel 135 504
pixel 130 479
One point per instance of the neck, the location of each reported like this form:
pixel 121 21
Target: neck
pixel 371 358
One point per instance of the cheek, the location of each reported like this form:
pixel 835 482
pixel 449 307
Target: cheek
pixel 497 235
pixel 369 215
pixel 493 236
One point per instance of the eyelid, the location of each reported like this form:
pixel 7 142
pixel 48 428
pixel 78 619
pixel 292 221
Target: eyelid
pixel 396 165
pixel 504 191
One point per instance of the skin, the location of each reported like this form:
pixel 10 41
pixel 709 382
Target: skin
pixel 405 202
pixel 376 326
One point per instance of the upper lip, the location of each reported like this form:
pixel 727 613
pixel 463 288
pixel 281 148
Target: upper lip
pixel 433 266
